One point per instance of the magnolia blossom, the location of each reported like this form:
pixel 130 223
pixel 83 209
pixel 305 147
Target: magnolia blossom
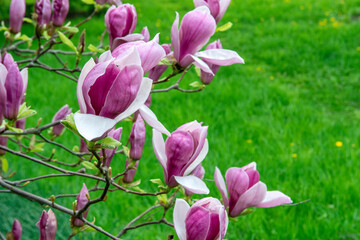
pixel 196 28
pixel 245 190
pixel 16 230
pixel 60 10
pixel 217 7
pixel 47 225
pixel 60 115
pixel 13 85
pixel 206 220
pixel 124 91
pixel 158 70
pixel 198 172
pixel 81 200
pixel 17 14
pixel 43 11
pixel 120 21
pixel 182 152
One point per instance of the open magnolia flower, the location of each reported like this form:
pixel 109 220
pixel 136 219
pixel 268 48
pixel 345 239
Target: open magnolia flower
pixel 217 7
pixel 110 91
pixel 182 152
pixel 205 220
pixel 196 28
pixel 245 190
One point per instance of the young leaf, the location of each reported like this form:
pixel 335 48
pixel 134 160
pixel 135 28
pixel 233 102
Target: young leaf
pixel 89 165
pixel 224 27
pixel 109 142
pixel 4 163
pixel 67 41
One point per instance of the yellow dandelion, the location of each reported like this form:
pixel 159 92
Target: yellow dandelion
pixel 294 155
pixel 339 144
pixel 323 22
pixel 258 69
pixel 249 141
pixel 335 24
pixel 292 144
pixel 332 19
pixel 271 77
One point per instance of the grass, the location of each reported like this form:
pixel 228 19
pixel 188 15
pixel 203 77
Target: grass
pixel 296 96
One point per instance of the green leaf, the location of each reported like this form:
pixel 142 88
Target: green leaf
pixel 4 163
pixel 28 20
pixel 165 61
pixel 38 147
pixel 196 84
pixel 126 151
pixel 109 142
pixel 90 2
pixel 162 198
pixel 25 112
pixel 134 184
pixel 89 165
pixel 224 27
pixel 157 181
pixel 198 71
pixel 15 130
pixel 92 48
pixel 136 188
pixel 72 29
pixel 46 35
pixel 67 41
pixel 70 123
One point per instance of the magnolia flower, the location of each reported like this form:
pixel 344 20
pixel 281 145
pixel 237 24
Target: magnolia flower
pixel 196 28
pixel 130 174
pixel 158 70
pixel 43 11
pixel 17 14
pixel 60 10
pixel 206 220
pixel 81 200
pixel 47 225
pixel 137 138
pixel 217 7
pixel 182 152
pixel 120 21
pixel 124 91
pixel 13 85
pixel 115 134
pixel 245 190
pixel 60 115
pixel 16 230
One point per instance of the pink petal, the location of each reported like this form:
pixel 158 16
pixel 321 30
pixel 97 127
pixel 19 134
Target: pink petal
pixel 93 127
pixel 252 197
pixel 84 72
pixel 151 119
pixel 51 226
pixel 220 184
pixel 180 210
pixel 199 158
pixel 128 58
pixel 237 183
pixel 221 57
pixel 159 149
pixel 250 166
pixel 274 198
pixel 202 65
pixel 192 184
pixel 106 56
pixel 175 41
pixel 223 6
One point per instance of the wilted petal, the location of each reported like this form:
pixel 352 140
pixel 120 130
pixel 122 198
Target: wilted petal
pixel 93 127
pixel 274 198
pixel 192 184
pixel 180 210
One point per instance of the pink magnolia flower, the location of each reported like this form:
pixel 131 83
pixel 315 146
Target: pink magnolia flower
pixel 182 152
pixel 81 201
pixel 13 85
pixel 217 7
pixel 60 115
pixel 120 21
pixel 205 219
pixel 17 14
pixel 198 172
pixel 47 225
pixel 124 90
pixel 245 190
pixel 130 174
pixel 16 230
pixel 196 28
pixel 60 10
pixel 43 11
pixel 158 70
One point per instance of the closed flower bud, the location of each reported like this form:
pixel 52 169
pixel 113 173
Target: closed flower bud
pixel 130 174
pixel 47 225
pixel 245 190
pixel 20 123
pixel 120 21
pixel 60 10
pixel 60 115
pixel 13 85
pixel 182 152
pixel 17 14
pixel 81 201
pixel 115 134
pixel 43 11
pixel 205 219
pixel 137 138
pixel 16 230
pixel 217 7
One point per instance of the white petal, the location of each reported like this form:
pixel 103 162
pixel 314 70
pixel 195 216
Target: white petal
pixel 139 101
pixel 221 57
pixel 201 64
pixel 198 159
pixel 3 74
pixel 130 57
pixel 274 198
pixel 159 147
pixel 93 127
pixel 84 72
pixel 106 56
pixel 179 215
pixel 151 119
pixel 220 183
pixel 24 75
pixel 192 184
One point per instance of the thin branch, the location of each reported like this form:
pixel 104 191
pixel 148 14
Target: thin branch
pixel 163 220
pixel 33 130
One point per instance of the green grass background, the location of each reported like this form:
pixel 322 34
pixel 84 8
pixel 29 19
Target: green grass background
pixel 296 96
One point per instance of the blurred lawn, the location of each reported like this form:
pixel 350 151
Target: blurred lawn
pixel 297 95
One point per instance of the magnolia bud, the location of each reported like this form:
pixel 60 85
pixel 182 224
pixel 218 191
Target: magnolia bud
pixel 81 201
pixel 130 174
pixel 17 14
pixel 16 230
pixel 43 11
pixel 47 225
pixel 60 11
pixel 137 138
pixel 60 115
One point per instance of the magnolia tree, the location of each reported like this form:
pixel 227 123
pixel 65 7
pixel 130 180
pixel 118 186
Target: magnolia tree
pixel 114 85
